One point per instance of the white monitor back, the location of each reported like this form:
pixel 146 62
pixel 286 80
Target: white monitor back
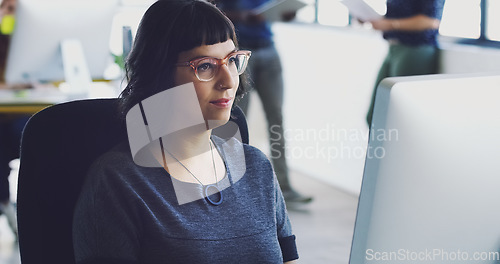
pixel 431 185
pixel 41 26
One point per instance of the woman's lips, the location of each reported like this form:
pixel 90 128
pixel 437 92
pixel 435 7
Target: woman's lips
pixel 222 102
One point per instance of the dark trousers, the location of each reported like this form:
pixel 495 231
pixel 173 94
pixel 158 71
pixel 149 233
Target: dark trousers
pixel 266 75
pixel 403 60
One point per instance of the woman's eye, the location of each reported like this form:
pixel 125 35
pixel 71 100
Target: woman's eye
pixel 205 67
pixel 233 60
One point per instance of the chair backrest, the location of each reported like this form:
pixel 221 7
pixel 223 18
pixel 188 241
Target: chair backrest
pixel 59 144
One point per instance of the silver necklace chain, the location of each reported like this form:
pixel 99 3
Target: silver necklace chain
pixel 213 161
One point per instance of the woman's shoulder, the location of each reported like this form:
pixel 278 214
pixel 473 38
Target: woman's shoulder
pixel 115 167
pixel 242 159
pixel 118 156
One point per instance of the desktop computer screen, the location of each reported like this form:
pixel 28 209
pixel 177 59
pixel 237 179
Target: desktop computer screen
pixel 41 25
pixel 431 185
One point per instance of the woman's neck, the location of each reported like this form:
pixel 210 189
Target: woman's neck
pixel 187 144
pixel 190 152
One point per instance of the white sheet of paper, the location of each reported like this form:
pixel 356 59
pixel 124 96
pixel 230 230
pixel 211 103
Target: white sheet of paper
pixel 361 10
pixel 273 10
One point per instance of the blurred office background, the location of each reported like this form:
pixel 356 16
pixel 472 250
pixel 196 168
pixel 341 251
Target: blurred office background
pixel 330 64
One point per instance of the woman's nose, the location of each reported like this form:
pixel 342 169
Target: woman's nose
pixel 226 78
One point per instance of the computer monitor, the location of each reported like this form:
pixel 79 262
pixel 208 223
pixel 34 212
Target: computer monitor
pixel 431 185
pixel 41 25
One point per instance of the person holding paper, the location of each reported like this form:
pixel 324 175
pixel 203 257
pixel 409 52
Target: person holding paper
pixel 411 28
pixel 254 33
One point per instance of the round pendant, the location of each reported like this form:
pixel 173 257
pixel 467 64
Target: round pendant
pixel 207 196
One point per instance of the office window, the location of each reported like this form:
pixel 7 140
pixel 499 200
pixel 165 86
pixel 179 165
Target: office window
pixel 493 20
pixel 461 19
pixel 476 21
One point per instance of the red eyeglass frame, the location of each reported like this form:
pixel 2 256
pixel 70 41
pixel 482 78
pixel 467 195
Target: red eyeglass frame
pixel 224 61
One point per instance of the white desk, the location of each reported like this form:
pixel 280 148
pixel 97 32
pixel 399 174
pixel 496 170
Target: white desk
pixel 30 101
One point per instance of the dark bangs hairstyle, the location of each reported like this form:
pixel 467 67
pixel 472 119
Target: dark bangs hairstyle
pixel 168 28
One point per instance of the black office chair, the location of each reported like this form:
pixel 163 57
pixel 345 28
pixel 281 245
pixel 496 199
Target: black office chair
pixel 59 144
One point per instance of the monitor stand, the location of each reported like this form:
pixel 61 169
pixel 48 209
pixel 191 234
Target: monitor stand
pixel 76 72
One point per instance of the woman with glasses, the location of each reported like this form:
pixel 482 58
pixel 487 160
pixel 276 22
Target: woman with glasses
pixel 208 200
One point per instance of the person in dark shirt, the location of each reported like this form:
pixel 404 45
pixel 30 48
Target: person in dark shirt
pixel 411 28
pixel 254 33
pixel 183 196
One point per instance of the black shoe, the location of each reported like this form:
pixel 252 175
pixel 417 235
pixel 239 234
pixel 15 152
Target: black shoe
pixel 291 196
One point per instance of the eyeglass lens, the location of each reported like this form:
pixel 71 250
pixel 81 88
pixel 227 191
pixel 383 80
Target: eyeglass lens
pixel 207 68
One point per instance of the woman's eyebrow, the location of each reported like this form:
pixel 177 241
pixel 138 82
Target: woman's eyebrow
pixel 198 57
pixel 203 56
pixel 234 50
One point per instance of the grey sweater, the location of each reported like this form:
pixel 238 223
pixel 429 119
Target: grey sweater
pixel 130 214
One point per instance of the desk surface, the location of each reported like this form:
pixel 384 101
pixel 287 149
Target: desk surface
pixel 30 101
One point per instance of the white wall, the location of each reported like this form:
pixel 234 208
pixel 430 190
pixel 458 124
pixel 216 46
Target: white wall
pixel 456 58
pixel 329 76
